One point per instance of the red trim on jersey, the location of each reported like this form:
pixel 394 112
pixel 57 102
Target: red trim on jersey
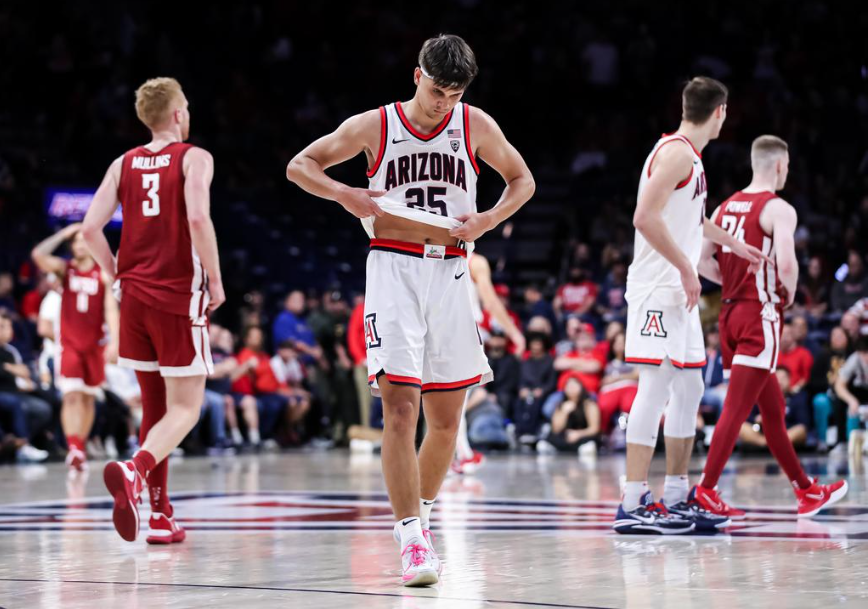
pixel 412 248
pixel 686 139
pixel 422 136
pixel 682 183
pixel 643 360
pixel 688 364
pixel 371 379
pixel 467 139
pixel 451 386
pixel 383 137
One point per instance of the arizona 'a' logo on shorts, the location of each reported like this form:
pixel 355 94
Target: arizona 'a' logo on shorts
pixel 653 325
pixel 371 337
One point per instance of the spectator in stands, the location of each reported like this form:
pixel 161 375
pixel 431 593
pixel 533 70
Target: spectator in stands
pixel 851 389
pixel 584 362
pixel 797 417
pixel 799 324
pixel 712 372
pixel 7 287
pixel 228 370
pixel 575 422
pixel 506 369
pixel 572 328
pixel 813 289
pixel 852 325
pixel 486 420
pixel 47 323
pixel 611 305
pixel 536 381
pixel 613 329
pixel 619 385
pixel 291 325
pixel 290 375
pixel 796 359
pixel 22 414
pixel 853 286
pixel 490 324
pixel 823 376
pixel 859 310
pixel 259 381
pixel 33 298
pixel 577 296
pixel 535 305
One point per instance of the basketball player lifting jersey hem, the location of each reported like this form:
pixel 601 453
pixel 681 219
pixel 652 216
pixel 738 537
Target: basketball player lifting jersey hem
pixel 420 210
pixel 663 328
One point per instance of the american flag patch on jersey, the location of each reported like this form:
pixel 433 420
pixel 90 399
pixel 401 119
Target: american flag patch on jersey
pixel 453 133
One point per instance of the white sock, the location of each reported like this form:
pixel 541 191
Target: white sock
pixel 675 489
pixel 254 436
pixel 425 507
pixel 633 492
pixel 237 438
pixel 410 531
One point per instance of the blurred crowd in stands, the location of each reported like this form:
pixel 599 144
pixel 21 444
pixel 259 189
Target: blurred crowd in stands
pixel 583 90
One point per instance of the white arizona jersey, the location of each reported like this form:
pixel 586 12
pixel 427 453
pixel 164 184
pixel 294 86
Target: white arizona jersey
pixel 429 178
pixel 683 215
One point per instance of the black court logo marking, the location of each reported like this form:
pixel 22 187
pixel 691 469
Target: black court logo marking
pixel 455 144
pixel 372 339
pixel 654 325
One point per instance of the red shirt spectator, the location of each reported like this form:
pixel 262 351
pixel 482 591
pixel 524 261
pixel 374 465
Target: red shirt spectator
pixel 489 324
pixel 261 379
pixel 585 363
pixel 798 360
pixel 578 295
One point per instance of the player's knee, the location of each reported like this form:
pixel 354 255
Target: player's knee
pixel 444 425
pixel 400 416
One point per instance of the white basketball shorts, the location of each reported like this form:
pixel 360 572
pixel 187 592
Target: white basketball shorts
pixel 419 324
pixel 657 329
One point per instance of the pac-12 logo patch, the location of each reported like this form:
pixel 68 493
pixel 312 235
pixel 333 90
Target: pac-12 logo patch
pixel 653 325
pixel 455 144
pixel 372 339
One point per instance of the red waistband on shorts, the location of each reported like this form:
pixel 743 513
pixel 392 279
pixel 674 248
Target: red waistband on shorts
pixel 417 250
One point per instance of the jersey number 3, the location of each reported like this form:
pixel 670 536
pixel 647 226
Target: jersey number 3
pixel 735 227
pixel 151 205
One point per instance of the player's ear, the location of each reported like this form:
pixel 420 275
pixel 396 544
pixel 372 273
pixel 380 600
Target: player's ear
pixel 417 76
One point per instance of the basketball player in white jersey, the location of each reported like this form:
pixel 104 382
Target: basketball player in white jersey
pixel 420 212
pixel 467 460
pixel 664 332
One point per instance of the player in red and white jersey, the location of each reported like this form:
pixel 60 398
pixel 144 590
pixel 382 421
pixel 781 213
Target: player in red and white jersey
pixel 86 306
pixel 169 280
pixel 664 333
pixel 750 327
pixel 420 210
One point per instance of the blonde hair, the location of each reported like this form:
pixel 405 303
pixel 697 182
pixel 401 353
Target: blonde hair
pixel 765 150
pixel 154 100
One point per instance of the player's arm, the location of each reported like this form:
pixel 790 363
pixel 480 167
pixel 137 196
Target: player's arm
pixel 307 168
pixel 198 173
pixel 670 166
pixel 784 219
pixel 493 148
pixel 100 212
pixel 112 318
pixel 709 267
pixel 843 392
pixel 43 256
pixel 480 272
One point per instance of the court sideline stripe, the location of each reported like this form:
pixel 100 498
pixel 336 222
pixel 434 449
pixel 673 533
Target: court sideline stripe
pixel 303 590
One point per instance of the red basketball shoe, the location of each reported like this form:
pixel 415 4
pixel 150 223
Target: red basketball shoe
pixel 819 496
pixel 76 459
pixel 164 530
pixel 125 484
pixel 709 500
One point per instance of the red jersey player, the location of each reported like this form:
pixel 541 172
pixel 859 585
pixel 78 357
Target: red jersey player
pixel 750 327
pixel 86 306
pixel 169 274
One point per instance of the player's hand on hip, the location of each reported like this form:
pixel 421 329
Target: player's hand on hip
pixel 217 295
pixel 692 288
pixel 473 226
pixel 360 202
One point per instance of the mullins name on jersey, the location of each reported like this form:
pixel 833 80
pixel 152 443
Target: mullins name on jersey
pixel 426 167
pixel 151 162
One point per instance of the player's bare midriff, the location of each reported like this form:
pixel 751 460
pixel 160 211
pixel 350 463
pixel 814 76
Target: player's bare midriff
pixel 410 231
